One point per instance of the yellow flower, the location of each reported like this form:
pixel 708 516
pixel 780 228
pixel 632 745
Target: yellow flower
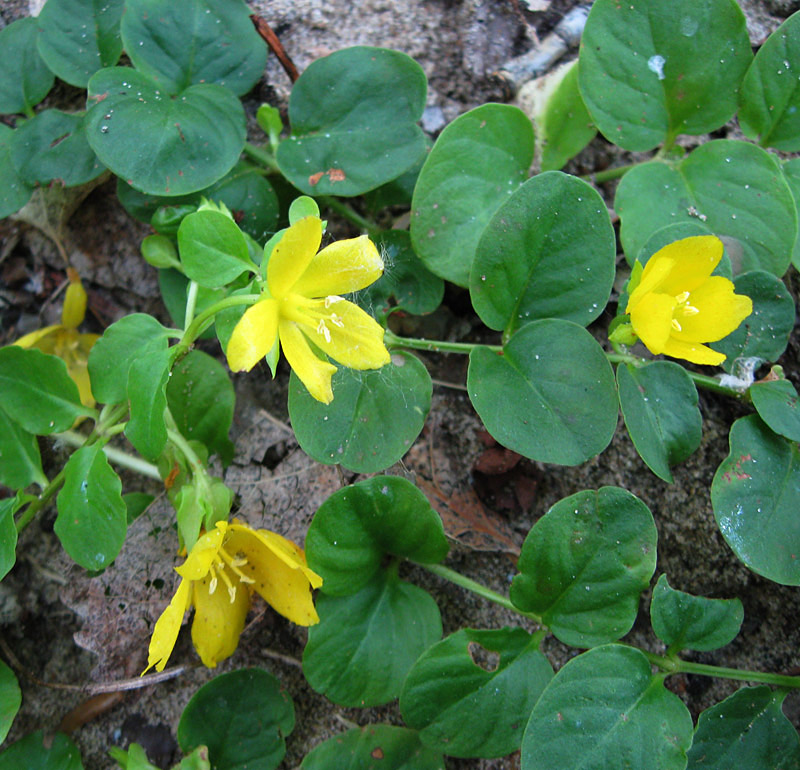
pixel 302 303
pixel 64 341
pixel 218 577
pixel 677 304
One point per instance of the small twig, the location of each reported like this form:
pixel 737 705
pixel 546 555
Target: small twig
pixel 271 39
pixel 275 421
pixel 288 659
pixel 454 385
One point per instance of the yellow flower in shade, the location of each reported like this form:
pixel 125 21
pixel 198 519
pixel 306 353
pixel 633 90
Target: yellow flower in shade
pixel 64 340
pixel 677 304
pixel 302 303
pixel 220 573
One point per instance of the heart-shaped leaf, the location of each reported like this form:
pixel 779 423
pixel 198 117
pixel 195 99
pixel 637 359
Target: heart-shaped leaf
pixel 26 79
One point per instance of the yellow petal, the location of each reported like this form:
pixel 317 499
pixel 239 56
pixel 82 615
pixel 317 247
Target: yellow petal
pixel 203 553
pixel 165 632
pixel 280 575
pixel 80 376
pixel 652 320
pixel 86 343
pixel 693 351
pixel 254 335
pixel 218 621
pixel 654 274
pixel 694 260
pixel 313 372
pixel 293 254
pixel 720 311
pixel 74 308
pixel 340 268
pixel 37 339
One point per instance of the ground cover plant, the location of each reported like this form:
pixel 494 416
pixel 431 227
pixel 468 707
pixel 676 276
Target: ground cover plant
pixel 240 239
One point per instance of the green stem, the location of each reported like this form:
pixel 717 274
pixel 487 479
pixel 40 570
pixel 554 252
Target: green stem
pixel 392 340
pixel 191 303
pixel 181 443
pixel 701 380
pixel 347 211
pixel 476 588
pixel 261 155
pixel 204 317
pixel 609 174
pixel 116 456
pixel 40 502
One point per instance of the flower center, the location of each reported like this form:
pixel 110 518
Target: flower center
pixel 219 569
pixel 682 309
pixel 314 314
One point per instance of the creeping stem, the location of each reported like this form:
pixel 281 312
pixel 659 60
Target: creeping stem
pixel 392 340
pixel 204 318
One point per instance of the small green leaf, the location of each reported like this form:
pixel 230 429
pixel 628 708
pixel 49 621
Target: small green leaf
pixel 686 622
pixel 756 495
pixel 468 709
pixel 584 564
pixel 764 334
pixel 53 146
pixel 769 99
pixel 19 450
pixel 26 79
pixel 659 404
pixel 159 251
pixel 748 730
pixel 606 709
pixel 10 699
pixel 357 527
pixel 650 70
pixel 243 717
pixel 15 192
pixel 791 173
pixel 365 643
pixel 35 752
pixel 8 533
pixel 195 41
pixel 147 382
pixel 79 37
pixel 476 163
pixel 114 353
pixel 213 249
pixel 92 516
pixel 159 144
pixel 201 398
pixel 776 404
pixel 529 266
pixel 299 208
pixel 375 746
pixel 269 121
pixel 38 392
pixel 373 419
pixel 734 188
pixel 136 503
pixel 354 122
pixel 550 395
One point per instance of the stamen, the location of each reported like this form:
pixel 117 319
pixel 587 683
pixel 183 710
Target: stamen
pixel 337 321
pixel 231 586
pixel 234 564
pixel 676 325
pixel 332 299
pixel 324 330
pixel 689 310
pixel 682 297
pixel 212 586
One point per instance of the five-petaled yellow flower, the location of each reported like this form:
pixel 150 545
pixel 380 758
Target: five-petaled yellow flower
pixel 677 304
pixel 302 302
pixel 220 573
pixel 64 340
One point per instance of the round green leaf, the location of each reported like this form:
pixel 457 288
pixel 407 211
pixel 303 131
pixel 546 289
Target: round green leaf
pixel 769 99
pixel 79 37
pixel 201 398
pixel 195 41
pixel 659 404
pixel 92 516
pixel 36 389
pixel 373 419
pixel 15 192
pixel 606 709
pixel 213 249
pixel 243 717
pixel 34 752
pixel 584 564
pixel 356 527
pixel 365 643
pixel 686 622
pixel 670 234
pixel 791 172
pixel 374 747
pixel 764 334
pixel 8 533
pixel 756 496
pixel 533 262
pixel 10 699
pixel 406 284
pixel 53 146
pixel 748 730
pixel 776 404
pixel 160 144
pixel 549 395
pixel 26 79
pixel 734 188
pixel 465 709
pixel 652 70
pixel 353 116
pixel 476 163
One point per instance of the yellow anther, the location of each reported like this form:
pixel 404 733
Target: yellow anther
pixel 682 297
pixel 676 325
